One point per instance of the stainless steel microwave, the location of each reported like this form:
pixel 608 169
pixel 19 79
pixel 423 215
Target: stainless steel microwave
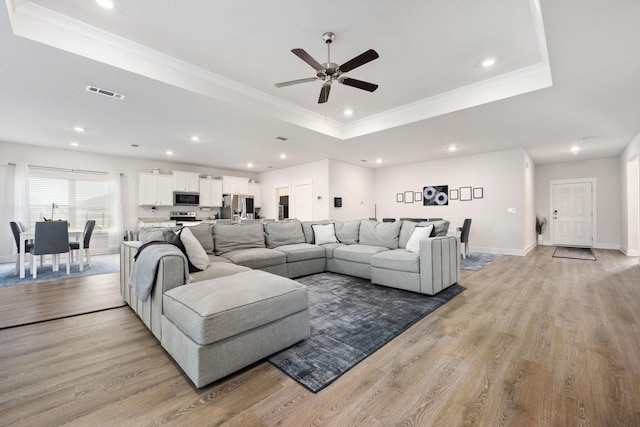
pixel 186 199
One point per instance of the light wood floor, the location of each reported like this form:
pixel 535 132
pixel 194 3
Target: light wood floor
pixel 533 341
pixel 35 302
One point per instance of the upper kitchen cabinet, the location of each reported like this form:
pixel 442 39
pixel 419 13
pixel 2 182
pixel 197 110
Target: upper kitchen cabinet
pixel 211 193
pixel 188 182
pixel 235 185
pixel 155 189
pixel 255 190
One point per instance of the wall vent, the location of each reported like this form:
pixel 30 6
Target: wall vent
pixel 105 92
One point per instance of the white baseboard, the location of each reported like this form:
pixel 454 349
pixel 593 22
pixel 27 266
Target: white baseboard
pixel 499 251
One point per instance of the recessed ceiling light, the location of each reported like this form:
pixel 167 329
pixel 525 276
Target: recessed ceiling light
pixel 348 112
pixel 74 144
pixel 195 138
pixel 169 153
pixel 488 62
pixel 107 4
pixel 378 160
pixel 283 156
pixel 575 149
pixel 78 129
pixel 249 165
pixel 453 148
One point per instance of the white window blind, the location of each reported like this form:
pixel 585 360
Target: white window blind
pixel 68 195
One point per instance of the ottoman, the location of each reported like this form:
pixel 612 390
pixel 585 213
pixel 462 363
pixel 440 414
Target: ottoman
pixel 218 326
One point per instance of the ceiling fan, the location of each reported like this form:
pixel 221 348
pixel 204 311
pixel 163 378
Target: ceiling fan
pixel 330 72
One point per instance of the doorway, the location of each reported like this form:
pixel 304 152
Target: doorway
pixel 282 205
pixel 572 212
pixel 303 200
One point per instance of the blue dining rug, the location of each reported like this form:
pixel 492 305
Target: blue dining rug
pixel 101 264
pixel 475 261
pixel 350 319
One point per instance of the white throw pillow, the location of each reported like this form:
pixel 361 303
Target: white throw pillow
pixel 324 233
pixel 419 233
pixel 195 252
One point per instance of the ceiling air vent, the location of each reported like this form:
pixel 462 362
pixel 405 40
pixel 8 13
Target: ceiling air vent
pixel 282 138
pixel 105 92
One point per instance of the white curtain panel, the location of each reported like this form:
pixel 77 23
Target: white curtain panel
pixel 116 232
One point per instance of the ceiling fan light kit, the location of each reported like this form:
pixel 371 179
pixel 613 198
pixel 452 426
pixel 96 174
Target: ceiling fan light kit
pixel 330 71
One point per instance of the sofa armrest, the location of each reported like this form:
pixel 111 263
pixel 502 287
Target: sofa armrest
pixel 170 275
pixel 439 263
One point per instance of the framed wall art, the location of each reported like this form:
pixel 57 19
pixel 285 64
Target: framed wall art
pixel 399 198
pixel 465 194
pixel 435 195
pixel 453 194
pixel 417 196
pixel 478 193
pixel 408 196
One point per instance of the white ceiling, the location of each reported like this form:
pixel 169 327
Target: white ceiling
pixel 566 74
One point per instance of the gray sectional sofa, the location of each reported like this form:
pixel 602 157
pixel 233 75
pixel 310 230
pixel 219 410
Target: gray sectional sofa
pixel 245 306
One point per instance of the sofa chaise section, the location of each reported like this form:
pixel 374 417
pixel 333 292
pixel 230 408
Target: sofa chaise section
pixel 216 327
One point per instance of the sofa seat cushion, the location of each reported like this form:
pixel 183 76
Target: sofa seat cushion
pixel 216 258
pixel 301 252
pixel 256 257
pixel 217 269
pixel 330 247
pixel 397 260
pixel 217 309
pixel 357 253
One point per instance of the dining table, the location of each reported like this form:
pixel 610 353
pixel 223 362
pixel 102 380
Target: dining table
pixel 31 235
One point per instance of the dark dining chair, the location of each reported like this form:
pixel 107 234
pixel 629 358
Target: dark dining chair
pixel 51 238
pixel 86 238
pixel 464 237
pixel 16 229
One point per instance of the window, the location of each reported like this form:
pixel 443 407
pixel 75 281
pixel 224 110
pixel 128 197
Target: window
pixel 72 196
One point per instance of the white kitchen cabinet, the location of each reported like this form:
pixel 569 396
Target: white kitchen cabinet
pixel 255 190
pixel 235 185
pixel 155 189
pixel 211 193
pixel 188 182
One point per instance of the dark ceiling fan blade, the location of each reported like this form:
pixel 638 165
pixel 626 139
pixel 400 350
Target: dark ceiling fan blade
pixel 295 82
pixel 324 93
pixel 302 54
pixel 359 84
pixel 359 60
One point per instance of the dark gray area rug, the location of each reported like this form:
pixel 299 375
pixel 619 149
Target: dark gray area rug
pixel 574 253
pixel 475 261
pixel 101 264
pixel 350 319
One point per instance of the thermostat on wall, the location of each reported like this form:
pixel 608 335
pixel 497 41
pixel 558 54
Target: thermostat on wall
pixel 337 202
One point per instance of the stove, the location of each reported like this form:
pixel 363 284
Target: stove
pixel 181 217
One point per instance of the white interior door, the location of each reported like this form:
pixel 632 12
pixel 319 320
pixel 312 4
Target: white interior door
pixel 302 201
pixel 572 214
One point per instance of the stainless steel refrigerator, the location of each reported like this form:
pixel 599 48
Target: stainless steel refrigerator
pixel 237 206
